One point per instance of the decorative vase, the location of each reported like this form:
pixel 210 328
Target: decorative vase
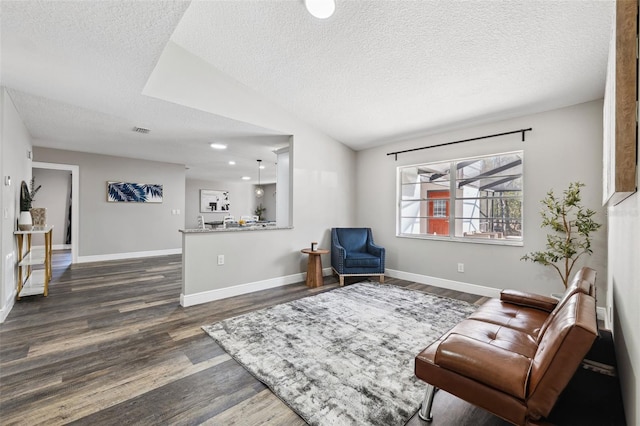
pixel 24 221
pixel 39 216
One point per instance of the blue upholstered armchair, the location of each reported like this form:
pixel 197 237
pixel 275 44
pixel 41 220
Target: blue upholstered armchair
pixel 353 253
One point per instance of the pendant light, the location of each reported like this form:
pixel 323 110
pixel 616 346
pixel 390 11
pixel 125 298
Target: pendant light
pixel 259 190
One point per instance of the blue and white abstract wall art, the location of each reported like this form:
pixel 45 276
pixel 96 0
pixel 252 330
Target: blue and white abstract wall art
pixel 127 192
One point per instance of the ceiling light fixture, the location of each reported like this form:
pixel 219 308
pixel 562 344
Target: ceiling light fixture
pixel 259 190
pixel 321 9
pixel 218 146
pixel 246 178
pixel 232 163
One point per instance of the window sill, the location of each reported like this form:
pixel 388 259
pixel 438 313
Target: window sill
pixel 489 241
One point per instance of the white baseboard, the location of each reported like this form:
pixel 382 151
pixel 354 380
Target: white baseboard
pixel 237 290
pixel 130 255
pixel 601 312
pixel 448 284
pixel 4 311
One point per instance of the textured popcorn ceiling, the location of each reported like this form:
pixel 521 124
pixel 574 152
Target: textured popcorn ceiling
pixel 76 70
pixel 380 70
pixel 376 71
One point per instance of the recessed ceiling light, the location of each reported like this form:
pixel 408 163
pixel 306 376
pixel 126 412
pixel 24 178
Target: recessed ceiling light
pixel 321 9
pixel 218 146
pixel 246 178
pixel 261 167
pixel 232 163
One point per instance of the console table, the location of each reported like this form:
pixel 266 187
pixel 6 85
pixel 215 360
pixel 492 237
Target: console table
pixel 34 281
pixel 314 268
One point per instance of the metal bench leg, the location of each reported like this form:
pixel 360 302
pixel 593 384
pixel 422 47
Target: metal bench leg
pixel 425 408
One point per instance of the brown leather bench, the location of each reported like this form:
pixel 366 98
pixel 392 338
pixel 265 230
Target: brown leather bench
pixel 514 355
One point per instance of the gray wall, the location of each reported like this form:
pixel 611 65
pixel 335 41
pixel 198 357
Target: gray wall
pixel 15 142
pixel 54 196
pixel 240 197
pixel 113 229
pixel 564 146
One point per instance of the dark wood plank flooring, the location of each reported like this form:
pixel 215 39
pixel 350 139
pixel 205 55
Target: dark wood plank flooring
pixel 112 345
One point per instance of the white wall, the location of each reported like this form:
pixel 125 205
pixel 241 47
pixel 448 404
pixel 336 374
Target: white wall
pixel 116 230
pixel 564 146
pixel 54 196
pixel 15 142
pixel 624 281
pixel 624 298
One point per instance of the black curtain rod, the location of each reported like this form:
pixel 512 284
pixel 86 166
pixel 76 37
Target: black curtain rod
pixel 464 140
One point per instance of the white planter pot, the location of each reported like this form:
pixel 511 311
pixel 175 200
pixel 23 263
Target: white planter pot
pixel 24 221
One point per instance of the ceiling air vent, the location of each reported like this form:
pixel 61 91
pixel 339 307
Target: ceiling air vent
pixel 141 130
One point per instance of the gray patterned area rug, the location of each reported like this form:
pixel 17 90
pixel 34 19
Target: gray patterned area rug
pixel 346 356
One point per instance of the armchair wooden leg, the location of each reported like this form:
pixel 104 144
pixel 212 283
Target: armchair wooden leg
pixel 381 279
pixel 341 280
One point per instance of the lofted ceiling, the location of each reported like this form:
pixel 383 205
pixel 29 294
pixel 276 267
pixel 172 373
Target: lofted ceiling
pixel 374 72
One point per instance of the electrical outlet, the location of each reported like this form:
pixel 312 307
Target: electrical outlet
pixel 460 267
pixel 221 259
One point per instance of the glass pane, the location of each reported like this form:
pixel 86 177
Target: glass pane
pixel 428 173
pixel 410 191
pixel 490 228
pixel 494 173
pixel 410 225
pixel 412 208
pixel 493 186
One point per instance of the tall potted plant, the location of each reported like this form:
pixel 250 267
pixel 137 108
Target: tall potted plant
pixel 569 237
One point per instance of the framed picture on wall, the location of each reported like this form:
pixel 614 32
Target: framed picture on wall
pixel 130 192
pixel 214 201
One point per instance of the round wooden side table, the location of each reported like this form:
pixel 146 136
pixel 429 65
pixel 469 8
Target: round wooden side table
pixel 314 268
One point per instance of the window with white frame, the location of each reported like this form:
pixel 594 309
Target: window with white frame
pixel 473 199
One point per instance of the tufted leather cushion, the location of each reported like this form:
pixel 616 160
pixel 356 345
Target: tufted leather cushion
pixel 499 368
pixel 517 317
